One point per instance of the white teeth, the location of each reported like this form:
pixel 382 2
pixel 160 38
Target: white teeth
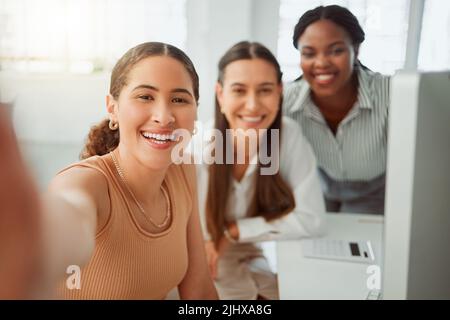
pixel 252 119
pixel 161 137
pixel 160 142
pixel 324 77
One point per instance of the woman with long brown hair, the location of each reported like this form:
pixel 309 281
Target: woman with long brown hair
pixel 124 221
pixel 240 203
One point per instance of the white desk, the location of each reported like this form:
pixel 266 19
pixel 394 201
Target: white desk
pixel 307 278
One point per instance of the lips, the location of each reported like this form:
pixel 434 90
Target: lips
pixel 160 140
pixel 252 119
pixel 158 136
pixel 324 78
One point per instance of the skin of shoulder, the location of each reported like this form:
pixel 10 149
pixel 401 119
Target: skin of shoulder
pixel 82 186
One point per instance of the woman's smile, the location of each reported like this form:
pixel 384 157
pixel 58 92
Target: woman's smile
pixel 162 139
pixel 324 78
pixel 252 120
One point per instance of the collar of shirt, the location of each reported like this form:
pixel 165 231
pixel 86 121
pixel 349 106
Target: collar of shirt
pixel 249 174
pixel 204 140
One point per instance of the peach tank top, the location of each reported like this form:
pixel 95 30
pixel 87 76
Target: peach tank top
pixel 128 262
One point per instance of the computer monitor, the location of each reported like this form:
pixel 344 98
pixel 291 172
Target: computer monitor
pixel 417 209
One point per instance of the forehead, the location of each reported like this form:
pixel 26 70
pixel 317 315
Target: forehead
pixel 250 71
pixel 322 33
pixel 160 71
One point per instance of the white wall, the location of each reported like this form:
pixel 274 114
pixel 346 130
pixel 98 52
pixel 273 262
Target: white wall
pixel 53 113
pixel 58 108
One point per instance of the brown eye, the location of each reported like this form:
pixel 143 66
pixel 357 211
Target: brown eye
pixel 180 100
pixel 239 91
pixel 145 97
pixel 266 90
pixel 307 54
pixel 338 51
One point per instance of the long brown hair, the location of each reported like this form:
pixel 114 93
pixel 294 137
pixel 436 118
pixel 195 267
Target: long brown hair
pixel 101 139
pixel 273 197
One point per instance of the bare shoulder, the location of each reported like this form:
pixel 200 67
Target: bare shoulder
pixel 83 179
pixel 86 188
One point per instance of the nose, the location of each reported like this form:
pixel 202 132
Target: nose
pixel 251 103
pixel 162 114
pixel 322 61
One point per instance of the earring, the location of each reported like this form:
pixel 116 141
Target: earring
pixel 113 125
pixel 195 130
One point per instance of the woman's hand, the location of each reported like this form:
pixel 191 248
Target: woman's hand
pixel 20 210
pixel 233 230
pixel 213 254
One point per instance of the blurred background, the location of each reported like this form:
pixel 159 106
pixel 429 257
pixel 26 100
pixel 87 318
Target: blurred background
pixel 56 55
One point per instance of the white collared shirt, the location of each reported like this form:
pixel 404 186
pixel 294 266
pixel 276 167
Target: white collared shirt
pixel 358 151
pixel 299 171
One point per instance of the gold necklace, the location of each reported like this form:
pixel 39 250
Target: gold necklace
pixel 166 196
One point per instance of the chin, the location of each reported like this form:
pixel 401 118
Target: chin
pixel 325 92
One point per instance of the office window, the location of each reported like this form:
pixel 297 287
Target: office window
pixel 434 53
pixel 83 36
pixel 385 23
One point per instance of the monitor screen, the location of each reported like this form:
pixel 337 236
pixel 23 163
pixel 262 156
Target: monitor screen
pixel 417 210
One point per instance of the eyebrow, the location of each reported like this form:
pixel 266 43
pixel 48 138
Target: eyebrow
pixel 176 90
pixel 267 84
pixel 330 45
pixel 261 84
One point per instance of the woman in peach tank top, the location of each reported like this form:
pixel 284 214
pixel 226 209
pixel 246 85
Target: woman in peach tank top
pixel 123 223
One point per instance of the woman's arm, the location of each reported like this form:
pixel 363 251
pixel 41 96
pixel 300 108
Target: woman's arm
pixel 197 283
pixel 69 221
pixel 20 210
pixel 41 236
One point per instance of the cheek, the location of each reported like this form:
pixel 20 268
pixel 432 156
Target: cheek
pixel 229 116
pixel 272 103
pixel 345 63
pixel 306 69
pixel 305 65
pixel 130 115
pixel 230 106
pixel 186 118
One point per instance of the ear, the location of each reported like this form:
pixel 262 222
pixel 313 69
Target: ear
pixel 111 107
pixel 219 93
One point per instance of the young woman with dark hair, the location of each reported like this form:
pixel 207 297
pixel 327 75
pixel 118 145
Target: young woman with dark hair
pixel 126 216
pixel 240 205
pixel 342 108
